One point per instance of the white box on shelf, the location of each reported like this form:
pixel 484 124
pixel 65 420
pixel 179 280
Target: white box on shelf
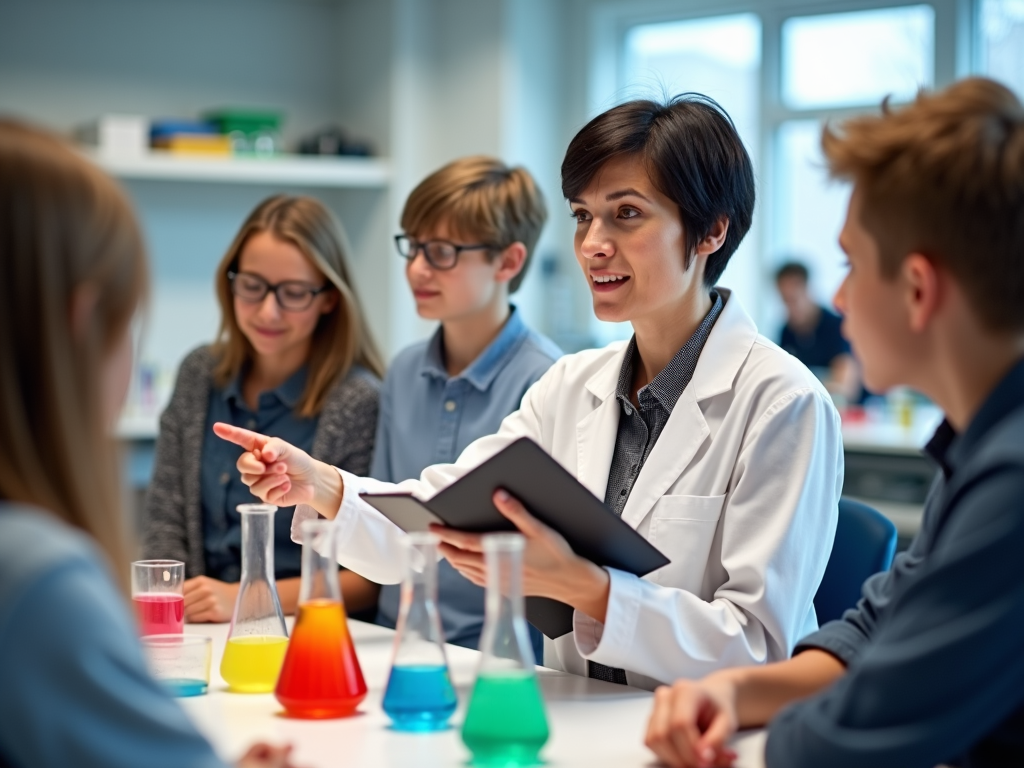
pixel 121 135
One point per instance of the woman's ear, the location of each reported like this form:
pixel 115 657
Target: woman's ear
pixel 510 262
pixel 715 238
pixel 330 302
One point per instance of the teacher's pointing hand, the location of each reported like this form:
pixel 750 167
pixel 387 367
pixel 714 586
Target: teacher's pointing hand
pixel 279 473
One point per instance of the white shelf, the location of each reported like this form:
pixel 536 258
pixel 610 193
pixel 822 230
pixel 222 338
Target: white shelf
pixel 298 170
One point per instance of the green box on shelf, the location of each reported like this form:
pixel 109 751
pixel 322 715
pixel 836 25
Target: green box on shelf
pixel 247 121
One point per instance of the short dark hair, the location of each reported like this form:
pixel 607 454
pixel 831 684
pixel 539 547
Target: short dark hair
pixel 692 154
pixel 793 269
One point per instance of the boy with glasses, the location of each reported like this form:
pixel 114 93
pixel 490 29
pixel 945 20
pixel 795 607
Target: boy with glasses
pixel 469 230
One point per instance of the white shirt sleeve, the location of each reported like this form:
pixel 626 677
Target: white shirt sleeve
pixel 368 543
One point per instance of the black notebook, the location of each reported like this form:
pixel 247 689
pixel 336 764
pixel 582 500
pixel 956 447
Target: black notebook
pixel 552 495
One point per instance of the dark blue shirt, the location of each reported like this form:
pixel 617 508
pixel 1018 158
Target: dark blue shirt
pixel 222 487
pixel 428 417
pixel 935 647
pixel 821 346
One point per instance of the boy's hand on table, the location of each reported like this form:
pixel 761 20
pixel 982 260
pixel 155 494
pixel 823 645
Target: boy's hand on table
pixel 278 473
pixel 209 600
pixel 266 756
pixel 692 721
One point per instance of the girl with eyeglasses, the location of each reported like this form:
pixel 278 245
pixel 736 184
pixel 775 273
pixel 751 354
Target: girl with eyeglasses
pixel 294 357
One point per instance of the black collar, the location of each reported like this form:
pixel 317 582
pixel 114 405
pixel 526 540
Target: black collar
pixel 669 384
pixel 950 450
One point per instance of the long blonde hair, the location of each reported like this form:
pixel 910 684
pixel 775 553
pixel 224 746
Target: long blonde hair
pixel 65 229
pixel 341 338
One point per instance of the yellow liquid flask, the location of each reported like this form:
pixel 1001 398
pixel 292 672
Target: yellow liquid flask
pixel 258 638
pixel 505 723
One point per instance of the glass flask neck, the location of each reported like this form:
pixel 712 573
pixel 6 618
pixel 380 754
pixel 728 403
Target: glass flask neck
pixel 257 540
pixel 257 607
pixel 505 642
pixel 419 638
pixel 319 562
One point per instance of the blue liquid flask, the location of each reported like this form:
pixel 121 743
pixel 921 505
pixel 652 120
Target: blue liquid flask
pixel 419 696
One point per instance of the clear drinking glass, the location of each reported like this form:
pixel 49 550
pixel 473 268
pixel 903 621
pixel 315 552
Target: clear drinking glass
pixel 158 598
pixel 321 676
pixel 258 637
pixel 180 662
pixel 419 696
pixel 505 723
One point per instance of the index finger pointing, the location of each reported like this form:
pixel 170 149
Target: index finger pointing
pixel 250 441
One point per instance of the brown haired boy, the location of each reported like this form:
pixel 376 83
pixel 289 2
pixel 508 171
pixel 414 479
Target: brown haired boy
pixel 469 232
pixel 929 667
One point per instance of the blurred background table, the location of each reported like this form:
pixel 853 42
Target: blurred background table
pixel 592 723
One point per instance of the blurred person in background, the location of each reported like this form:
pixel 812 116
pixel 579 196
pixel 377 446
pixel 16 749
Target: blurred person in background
pixel 812 335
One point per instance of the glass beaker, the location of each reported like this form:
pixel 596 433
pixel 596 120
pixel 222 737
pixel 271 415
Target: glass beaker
pixel 321 676
pixel 157 592
pixel 258 637
pixel 505 723
pixel 419 696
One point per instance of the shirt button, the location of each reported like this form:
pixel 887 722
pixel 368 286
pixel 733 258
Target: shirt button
pixel 449 405
pixel 250 424
pixel 225 478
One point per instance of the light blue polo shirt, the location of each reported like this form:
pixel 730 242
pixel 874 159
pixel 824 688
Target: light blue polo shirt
pixel 428 418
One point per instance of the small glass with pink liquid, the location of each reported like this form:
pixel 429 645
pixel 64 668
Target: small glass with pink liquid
pixel 157 594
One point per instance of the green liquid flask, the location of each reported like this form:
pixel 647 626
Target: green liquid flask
pixel 505 723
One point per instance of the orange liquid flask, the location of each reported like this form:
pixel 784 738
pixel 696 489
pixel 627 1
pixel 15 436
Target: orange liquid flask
pixel 321 676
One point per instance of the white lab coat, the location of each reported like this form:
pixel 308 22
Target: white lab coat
pixel 740 492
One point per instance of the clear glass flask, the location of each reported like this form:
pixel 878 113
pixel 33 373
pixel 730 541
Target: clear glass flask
pixel 321 676
pixel 258 637
pixel 505 723
pixel 419 696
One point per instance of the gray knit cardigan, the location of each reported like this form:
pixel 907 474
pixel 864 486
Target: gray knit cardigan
pixel 173 527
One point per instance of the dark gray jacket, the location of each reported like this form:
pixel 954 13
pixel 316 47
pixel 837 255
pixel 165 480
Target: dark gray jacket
pixel 935 648
pixel 174 515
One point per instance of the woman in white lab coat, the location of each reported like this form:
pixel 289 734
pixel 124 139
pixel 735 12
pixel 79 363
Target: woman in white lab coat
pixel 714 444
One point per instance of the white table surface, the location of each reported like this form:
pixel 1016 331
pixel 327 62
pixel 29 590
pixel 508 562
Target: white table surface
pixel 890 437
pixel 592 723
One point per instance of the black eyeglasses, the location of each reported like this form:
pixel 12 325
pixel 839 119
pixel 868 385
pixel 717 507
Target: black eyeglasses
pixel 293 295
pixel 440 254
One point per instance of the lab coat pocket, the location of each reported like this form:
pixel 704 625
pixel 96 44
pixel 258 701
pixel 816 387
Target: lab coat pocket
pixel 683 527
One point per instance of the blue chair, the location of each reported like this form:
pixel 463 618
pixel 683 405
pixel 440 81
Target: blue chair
pixel 864 545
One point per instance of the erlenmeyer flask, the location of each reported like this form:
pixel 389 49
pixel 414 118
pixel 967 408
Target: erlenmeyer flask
pixel 321 676
pixel 258 637
pixel 505 724
pixel 419 696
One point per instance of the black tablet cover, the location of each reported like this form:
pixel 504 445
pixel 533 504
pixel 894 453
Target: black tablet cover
pixel 552 495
